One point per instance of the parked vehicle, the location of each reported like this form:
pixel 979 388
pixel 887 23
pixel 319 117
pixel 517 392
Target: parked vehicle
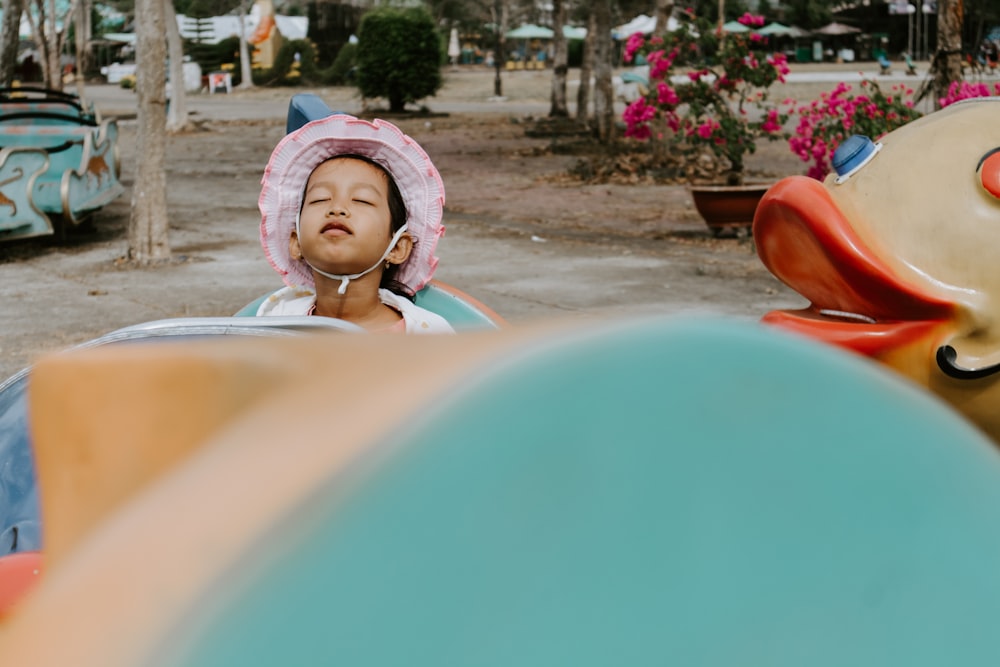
pixel 58 162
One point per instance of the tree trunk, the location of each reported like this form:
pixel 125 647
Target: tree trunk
pixel 500 58
pixel 559 61
pixel 147 228
pixel 52 52
pixel 9 38
pixel 177 114
pixel 722 22
pixel 586 73
pixel 82 32
pixel 397 104
pixel 604 108
pixel 947 64
pixel 664 8
pixel 246 64
pixel 38 30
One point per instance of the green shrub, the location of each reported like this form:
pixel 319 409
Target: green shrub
pixel 339 73
pixel 398 56
pixel 284 71
pixel 228 53
pixel 211 57
pixel 206 55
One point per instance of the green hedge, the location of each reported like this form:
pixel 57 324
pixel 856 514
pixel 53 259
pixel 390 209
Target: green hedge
pixel 284 73
pixel 399 56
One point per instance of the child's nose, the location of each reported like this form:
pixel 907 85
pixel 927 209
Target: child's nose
pixel 338 208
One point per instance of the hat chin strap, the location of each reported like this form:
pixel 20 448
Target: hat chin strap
pixel 346 279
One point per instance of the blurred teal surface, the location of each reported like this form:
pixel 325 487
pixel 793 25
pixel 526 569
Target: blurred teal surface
pixel 664 492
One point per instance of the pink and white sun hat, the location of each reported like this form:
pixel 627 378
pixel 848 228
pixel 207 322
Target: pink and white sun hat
pixel 300 152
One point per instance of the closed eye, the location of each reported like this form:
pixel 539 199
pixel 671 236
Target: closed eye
pixel 318 201
pixel 364 201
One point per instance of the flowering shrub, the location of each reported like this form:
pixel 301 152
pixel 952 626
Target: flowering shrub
pixel 963 90
pixel 718 105
pixel 826 122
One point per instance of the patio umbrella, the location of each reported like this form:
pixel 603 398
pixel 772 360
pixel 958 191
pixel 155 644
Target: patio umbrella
pixel 837 29
pixel 734 27
pixel 530 31
pixel 776 29
pixel 453 48
pixel 572 32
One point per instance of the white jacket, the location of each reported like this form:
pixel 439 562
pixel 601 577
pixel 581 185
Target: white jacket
pixel 300 300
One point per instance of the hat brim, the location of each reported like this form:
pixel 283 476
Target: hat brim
pixel 300 152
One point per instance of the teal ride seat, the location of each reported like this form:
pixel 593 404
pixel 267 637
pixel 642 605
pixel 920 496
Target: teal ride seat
pixel 664 492
pixel 80 176
pixel 461 311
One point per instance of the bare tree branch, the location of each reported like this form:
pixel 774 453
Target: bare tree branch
pixel 664 8
pixel 49 37
pixel 9 39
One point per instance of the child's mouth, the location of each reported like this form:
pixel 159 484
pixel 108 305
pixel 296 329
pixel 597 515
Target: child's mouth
pixel 334 229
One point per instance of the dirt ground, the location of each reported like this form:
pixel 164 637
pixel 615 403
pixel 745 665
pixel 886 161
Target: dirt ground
pixel 522 237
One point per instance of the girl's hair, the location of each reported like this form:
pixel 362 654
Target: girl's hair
pixel 397 218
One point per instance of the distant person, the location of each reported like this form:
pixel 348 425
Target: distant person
pixel 350 217
pixel 988 53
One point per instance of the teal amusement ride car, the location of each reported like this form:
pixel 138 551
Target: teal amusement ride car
pixel 58 162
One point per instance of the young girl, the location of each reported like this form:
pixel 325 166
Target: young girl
pixel 350 217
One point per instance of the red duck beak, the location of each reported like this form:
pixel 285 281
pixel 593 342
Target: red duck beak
pixel 857 300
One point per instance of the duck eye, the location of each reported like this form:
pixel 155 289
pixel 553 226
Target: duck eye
pixel 855 152
pixel 989 172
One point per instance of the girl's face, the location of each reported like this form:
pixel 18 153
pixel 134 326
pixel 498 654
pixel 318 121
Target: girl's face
pixel 344 226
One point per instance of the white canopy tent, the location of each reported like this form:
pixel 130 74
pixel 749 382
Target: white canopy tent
pixel 641 23
pixel 222 27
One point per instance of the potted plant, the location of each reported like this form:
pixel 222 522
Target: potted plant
pixel 706 106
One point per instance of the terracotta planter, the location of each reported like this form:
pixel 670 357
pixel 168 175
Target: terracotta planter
pixel 728 209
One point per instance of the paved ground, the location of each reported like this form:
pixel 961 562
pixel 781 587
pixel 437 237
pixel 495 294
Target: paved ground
pixel 470 90
pixel 527 246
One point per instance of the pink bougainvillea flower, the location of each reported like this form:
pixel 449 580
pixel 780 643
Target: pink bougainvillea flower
pixel 658 65
pixel 772 123
pixel 722 106
pixel 706 129
pixel 751 20
pixel 635 42
pixel 666 95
